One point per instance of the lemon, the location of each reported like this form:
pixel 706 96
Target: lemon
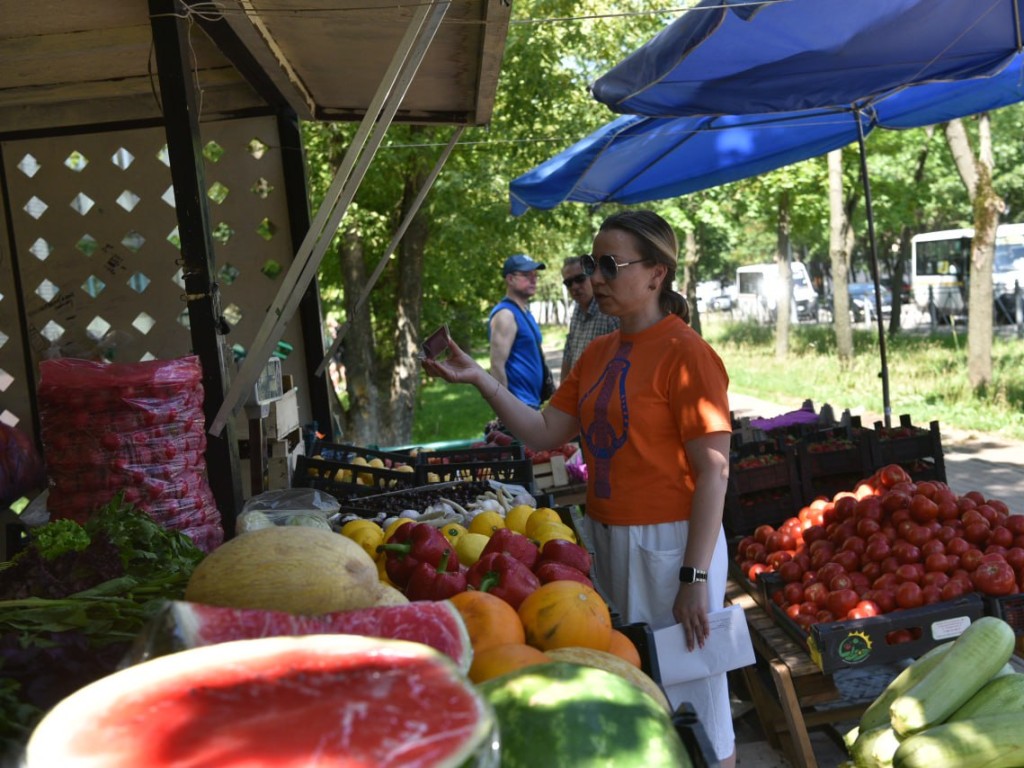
pixel 469 546
pixel 487 523
pixel 540 516
pixel 390 530
pixel 544 533
pixel 453 532
pixel 354 525
pixel 517 517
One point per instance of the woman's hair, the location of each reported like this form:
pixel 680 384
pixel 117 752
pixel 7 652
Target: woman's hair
pixel 656 241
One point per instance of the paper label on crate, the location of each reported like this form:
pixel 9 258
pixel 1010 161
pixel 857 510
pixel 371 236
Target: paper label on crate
pixel 947 629
pixel 727 647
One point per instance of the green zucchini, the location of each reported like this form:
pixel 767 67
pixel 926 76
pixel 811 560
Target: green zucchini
pixel 1003 693
pixel 991 741
pixel 877 713
pixel 875 748
pixel 983 648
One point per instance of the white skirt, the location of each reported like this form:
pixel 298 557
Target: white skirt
pixel 637 569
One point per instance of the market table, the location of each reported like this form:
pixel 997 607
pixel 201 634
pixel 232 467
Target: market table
pixel 786 686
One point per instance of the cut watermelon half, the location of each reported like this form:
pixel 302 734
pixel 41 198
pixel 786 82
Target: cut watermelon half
pixel 437 624
pixel 321 701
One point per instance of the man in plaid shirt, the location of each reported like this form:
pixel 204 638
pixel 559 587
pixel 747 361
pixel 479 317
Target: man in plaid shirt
pixel 588 321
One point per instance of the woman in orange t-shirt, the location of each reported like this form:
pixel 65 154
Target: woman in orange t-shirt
pixel 650 404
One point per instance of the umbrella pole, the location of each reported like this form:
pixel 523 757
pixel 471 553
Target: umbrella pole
pixel 886 407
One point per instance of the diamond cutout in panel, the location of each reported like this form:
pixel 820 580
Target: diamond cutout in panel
pixel 143 323
pixel 262 188
pixel 164 156
pixel 184 320
pixel 47 290
pixel 82 203
pixel 256 148
pixel 267 229
pixel 51 331
pixel 5 380
pixel 9 419
pixel 138 282
pixel 122 158
pixel 41 249
pixel 93 286
pixel 174 238
pixel 218 192
pixel 133 241
pixel 97 328
pixel 222 233
pixel 233 314
pixel 168 196
pixel 128 200
pixel 271 268
pixel 213 151
pixel 87 244
pixel 179 278
pixel 76 161
pixel 228 274
pixel 35 207
pixel 147 357
pixel 3 339
pixel 29 166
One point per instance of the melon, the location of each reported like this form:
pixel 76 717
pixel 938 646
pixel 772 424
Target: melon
pixel 563 714
pixel 321 700
pixel 437 624
pixel 609 662
pixel 286 568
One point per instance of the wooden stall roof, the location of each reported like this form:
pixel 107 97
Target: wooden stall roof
pixel 69 64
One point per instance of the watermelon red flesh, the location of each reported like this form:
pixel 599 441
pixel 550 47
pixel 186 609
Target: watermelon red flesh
pixel 437 624
pixel 333 701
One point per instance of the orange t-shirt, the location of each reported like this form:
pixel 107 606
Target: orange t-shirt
pixel 639 398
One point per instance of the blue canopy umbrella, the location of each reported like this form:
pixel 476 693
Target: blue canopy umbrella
pixel 735 57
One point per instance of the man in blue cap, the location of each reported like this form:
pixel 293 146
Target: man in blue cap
pixel 517 360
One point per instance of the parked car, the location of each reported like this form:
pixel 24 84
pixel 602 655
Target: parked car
pixel 862 302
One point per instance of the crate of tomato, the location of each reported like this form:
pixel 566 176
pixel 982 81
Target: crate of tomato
pixel 831 460
pixel 916 449
pixel 763 487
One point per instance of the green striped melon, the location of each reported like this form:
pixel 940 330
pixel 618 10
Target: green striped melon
pixel 564 714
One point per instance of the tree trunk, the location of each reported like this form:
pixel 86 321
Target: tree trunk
pixel 359 423
pixel 839 257
pixel 689 277
pixel 784 300
pixel 976 173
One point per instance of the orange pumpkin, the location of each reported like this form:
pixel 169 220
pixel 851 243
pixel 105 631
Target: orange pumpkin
pixel 563 614
pixel 489 620
pixel 501 659
pixel 624 648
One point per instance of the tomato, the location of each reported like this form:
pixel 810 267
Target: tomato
pixel 945 534
pixel 777 558
pixel 793 610
pixel 890 564
pixel 906 552
pixel 976 533
pixel 994 578
pixel 842 581
pixel 779 599
pixel 886 581
pixel 922 508
pixel 757 569
pixel 891 474
pixel 841 601
pixel 918 535
pixel 975 496
pixel 927 489
pixel 1001 536
pixel 894 500
pixel 854 544
pixel 824 617
pixel 793 592
pixel 849 560
pixel 937 578
pixel 805 621
pixel 877 551
pixel 987 512
pixel 814 533
pixel 791 571
pixel 973 516
pixel 1016 524
pixel 741 547
pixel 998 506
pixel 957 546
pixel 971 559
pixel 931 594
pixel 871 571
pixel 909 595
pixel 952 589
pixel 866 527
pixel 885 599
pixel 816 593
pixel 909 572
pixel 843 506
pixel 865 609
pixel 779 541
pixel 762 532
pixel 1015 557
pixel 936 562
pixel 898 636
pixel 948 510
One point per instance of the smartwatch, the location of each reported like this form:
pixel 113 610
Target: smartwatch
pixel 688 575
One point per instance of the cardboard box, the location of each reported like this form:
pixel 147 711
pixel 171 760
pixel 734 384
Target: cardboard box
pixel 284 416
pixel 550 474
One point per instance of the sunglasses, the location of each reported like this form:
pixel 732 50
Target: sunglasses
pixel 569 282
pixel 608 265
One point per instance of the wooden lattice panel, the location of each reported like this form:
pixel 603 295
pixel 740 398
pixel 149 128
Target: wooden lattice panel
pixel 95 241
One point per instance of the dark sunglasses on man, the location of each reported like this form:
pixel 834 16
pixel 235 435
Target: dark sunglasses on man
pixel 607 264
pixel 569 282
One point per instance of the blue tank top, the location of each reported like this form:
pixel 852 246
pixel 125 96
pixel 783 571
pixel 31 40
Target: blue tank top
pixel 524 368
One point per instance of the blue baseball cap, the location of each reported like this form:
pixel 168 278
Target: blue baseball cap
pixel 520 263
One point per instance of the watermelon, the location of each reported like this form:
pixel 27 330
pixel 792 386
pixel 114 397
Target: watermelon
pixel 323 701
pixel 561 713
pixel 437 624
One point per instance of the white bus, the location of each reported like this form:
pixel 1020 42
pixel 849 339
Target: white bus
pixel 940 265
pixel 758 292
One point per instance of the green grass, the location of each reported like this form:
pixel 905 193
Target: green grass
pixel 927 379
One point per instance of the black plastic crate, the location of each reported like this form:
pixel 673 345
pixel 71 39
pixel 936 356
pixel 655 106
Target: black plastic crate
pixel 1009 608
pixel 694 737
pixel 916 449
pixel 346 452
pixel 344 480
pixel 503 463
pixel 744 512
pixel 418 497
pixel 833 460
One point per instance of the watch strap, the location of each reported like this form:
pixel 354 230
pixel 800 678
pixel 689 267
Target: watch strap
pixel 688 575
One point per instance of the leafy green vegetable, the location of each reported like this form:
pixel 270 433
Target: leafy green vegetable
pixel 58 537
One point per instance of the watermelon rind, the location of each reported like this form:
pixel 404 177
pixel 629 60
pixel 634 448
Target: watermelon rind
pixel 52 743
pixel 564 714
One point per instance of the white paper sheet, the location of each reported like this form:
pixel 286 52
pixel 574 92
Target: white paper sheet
pixel 727 647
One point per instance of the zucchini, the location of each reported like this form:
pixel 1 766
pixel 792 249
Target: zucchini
pixel 983 648
pixel 877 713
pixel 875 748
pixel 1003 693
pixel 991 741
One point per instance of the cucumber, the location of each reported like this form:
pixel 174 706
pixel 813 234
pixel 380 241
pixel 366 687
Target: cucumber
pixel 877 713
pixel 983 648
pixel 875 748
pixel 990 741
pixel 1003 693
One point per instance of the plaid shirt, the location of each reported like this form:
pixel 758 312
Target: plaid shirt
pixel 585 326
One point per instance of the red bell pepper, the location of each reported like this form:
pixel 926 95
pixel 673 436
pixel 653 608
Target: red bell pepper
pixel 421 543
pixel 429 582
pixel 549 570
pixel 561 551
pixel 503 576
pixel 515 544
